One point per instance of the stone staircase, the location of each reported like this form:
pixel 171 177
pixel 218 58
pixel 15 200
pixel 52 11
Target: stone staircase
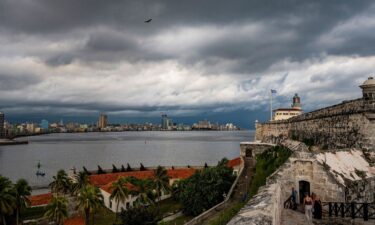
pixel 244 181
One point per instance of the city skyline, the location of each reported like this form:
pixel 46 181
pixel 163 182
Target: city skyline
pixel 192 61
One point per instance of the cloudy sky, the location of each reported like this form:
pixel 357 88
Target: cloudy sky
pixel 209 59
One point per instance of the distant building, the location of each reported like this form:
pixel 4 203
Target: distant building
pixel 286 113
pixel 44 124
pixel 166 123
pixel 203 125
pixel 30 127
pixel 103 121
pixel 2 132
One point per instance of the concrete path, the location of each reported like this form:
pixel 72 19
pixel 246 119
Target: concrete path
pixel 172 217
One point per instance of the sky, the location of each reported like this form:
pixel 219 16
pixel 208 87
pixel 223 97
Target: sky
pixel 195 60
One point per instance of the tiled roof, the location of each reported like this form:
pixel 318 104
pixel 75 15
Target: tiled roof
pixel 234 162
pixel 74 221
pixel 104 181
pixel 38 200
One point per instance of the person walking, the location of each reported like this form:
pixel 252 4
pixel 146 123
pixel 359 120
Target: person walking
pixel 308 203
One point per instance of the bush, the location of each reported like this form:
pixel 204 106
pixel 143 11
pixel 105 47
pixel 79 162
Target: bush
pixel 138 216
pixel 267 163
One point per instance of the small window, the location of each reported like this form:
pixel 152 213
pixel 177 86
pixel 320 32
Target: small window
pixel 127 205
pixel 110 204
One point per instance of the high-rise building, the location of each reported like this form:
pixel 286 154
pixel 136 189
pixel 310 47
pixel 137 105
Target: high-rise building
pixel 166 123
pixel 2 131
pixel 44 124
pixel 103 120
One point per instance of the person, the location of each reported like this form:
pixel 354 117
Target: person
pixel 308 203
pixel 294 199
pixel 317 208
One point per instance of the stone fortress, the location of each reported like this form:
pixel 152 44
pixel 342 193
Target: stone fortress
pixel 333 157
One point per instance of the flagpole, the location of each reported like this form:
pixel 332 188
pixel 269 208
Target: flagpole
pixel 271 105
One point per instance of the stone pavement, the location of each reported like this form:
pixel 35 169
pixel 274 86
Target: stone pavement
pixel 291 217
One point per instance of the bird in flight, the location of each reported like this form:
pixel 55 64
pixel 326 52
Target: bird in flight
pixel 147 21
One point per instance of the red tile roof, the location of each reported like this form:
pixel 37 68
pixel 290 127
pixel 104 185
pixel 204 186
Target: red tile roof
pixel 234 162
pixel 104 181
pixel 74 221
pixel 38 200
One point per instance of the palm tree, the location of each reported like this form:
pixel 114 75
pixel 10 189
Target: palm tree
pixel 144 191
pixel 161 181
pixel 89 199
pixel 81 180
pixel 22 191
pixel 119 192
pixel 57 210
pixel 61 183
pixel 7 199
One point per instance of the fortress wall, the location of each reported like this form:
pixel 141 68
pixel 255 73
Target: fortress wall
pixel 346 125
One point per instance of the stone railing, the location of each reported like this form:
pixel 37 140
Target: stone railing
pixel 206 214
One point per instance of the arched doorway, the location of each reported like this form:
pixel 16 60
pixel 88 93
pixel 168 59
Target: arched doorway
pixel 304 187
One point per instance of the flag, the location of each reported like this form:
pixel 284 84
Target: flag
pixel 273 91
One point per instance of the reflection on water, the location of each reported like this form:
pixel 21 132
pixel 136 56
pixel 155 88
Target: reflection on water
pixel 64 151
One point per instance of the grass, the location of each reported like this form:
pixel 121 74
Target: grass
pixel 227 214
pixel 169 205
pixel 267 163
pixel 104 217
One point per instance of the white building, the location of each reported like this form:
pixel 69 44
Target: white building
pixel 286 113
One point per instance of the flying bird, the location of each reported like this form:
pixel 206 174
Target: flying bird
pixel 147 21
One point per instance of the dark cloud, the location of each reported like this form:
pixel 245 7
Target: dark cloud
pixel 17 81
pixel 194 56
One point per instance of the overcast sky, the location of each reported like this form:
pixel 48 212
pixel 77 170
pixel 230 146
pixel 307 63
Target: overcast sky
pixel 196 59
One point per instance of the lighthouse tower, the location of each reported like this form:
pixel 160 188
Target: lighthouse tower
pixel 296 102
pixel 368 91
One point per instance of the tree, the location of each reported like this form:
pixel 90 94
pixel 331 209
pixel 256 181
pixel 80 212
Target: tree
pixel 7 199
pixel 123 168
pixel 61 183
pixel 89 200
pixel 81 180
pixel 22 191
pixel 205 188
pixel 143 188
pixel 161 181
pixel 120 192
pixel 57 210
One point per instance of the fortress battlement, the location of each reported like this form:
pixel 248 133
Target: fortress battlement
pixel 350 124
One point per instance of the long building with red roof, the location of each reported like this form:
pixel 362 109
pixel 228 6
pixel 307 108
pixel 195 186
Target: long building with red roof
pixel 105 182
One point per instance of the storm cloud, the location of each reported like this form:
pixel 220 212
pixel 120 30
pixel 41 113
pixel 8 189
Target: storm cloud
pixel 195 58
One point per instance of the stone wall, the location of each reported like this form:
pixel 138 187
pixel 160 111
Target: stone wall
pixel 361 191
pixel 266 206
pixel 350 124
